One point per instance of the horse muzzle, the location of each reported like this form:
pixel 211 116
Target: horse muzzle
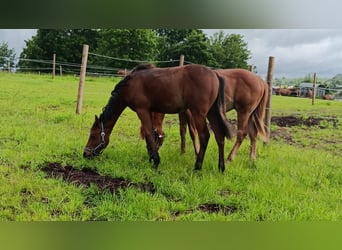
pixel 87 154
pixel 90 153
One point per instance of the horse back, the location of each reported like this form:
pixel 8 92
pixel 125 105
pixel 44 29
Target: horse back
pixel 171 90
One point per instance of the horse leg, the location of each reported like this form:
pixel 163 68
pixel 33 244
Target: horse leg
pixel 157 122
pixel 203 133
pixel 241 134
pixel 192 130
pixel 253 133
pixel 182 129
pixel 219 136
pixel 146 121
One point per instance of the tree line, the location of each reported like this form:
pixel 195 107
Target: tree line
pixel 153 45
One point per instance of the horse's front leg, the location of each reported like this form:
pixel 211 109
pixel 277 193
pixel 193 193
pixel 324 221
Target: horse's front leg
pixel 153 154
pixel 146 122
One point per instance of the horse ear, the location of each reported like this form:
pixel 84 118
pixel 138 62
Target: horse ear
pixel 96 118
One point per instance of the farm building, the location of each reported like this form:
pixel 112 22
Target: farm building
pixel 338 92
pixel 306 87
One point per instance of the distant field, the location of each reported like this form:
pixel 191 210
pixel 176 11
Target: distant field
pixel 296 177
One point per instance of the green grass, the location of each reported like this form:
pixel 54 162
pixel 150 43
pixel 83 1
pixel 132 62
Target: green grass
pixel 38 124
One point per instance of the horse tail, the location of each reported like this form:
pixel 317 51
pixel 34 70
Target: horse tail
pixel 258 116
pixel 221 109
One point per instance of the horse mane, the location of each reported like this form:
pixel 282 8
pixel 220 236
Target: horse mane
pixel 124 81
pixel 118 86
pixel 143 67
pixel 107 110
pixel 122 84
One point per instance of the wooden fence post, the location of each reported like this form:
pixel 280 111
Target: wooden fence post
pixel 268 105
pixel 53 65
pixel 60 70
pixel 314 89
pixel 181 60
pixel 82 78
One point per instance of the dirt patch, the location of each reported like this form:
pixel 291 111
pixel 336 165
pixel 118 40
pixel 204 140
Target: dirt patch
pixel 281 134
pixel 210 208
pixel 216 208
pixel 87 176
pixel 290 121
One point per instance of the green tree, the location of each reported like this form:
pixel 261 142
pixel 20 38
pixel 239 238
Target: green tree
pixel 196 48
pixel 7 56
pixel 192 43
pixel 132 46
pixel 66 43
pixel 229 51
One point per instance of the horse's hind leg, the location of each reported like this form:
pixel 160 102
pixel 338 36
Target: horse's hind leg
pixel 182 130
pixel 253 133
pixel 185 118
pixel 203 134
pixel 241 134
pixel 219 136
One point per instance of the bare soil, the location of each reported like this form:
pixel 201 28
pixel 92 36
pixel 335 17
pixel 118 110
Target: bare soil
pixel 87 176
pixel 210 208
pixel 282 134
pixel 290 121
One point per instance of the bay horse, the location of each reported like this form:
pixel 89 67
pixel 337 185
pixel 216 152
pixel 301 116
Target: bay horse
pixel 247 94
pixel 171 90
pixel 327 97
pixel 287 92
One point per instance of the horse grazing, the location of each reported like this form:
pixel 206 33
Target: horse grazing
pixel 247 94
pixel 327 97
pixel 287 92
pixel 149 89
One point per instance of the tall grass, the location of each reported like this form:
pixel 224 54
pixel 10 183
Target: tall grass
pixel 39 125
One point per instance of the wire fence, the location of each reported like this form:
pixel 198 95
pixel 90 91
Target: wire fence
pixel 46 66
pixel 74 68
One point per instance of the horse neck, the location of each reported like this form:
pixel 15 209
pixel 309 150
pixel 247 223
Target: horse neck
pixel 112 112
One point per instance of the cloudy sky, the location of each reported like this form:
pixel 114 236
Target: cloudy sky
pixel 297 52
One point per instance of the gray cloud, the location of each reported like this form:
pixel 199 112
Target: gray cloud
pixel 297 52
pixel 16 38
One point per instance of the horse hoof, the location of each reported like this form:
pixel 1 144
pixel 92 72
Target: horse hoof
pixel 198 167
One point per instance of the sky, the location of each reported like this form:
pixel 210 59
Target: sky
pixel 297 52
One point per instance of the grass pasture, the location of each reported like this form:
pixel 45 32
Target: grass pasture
pixel 296 177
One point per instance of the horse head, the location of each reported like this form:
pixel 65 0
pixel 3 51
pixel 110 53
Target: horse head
pixel 97 141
